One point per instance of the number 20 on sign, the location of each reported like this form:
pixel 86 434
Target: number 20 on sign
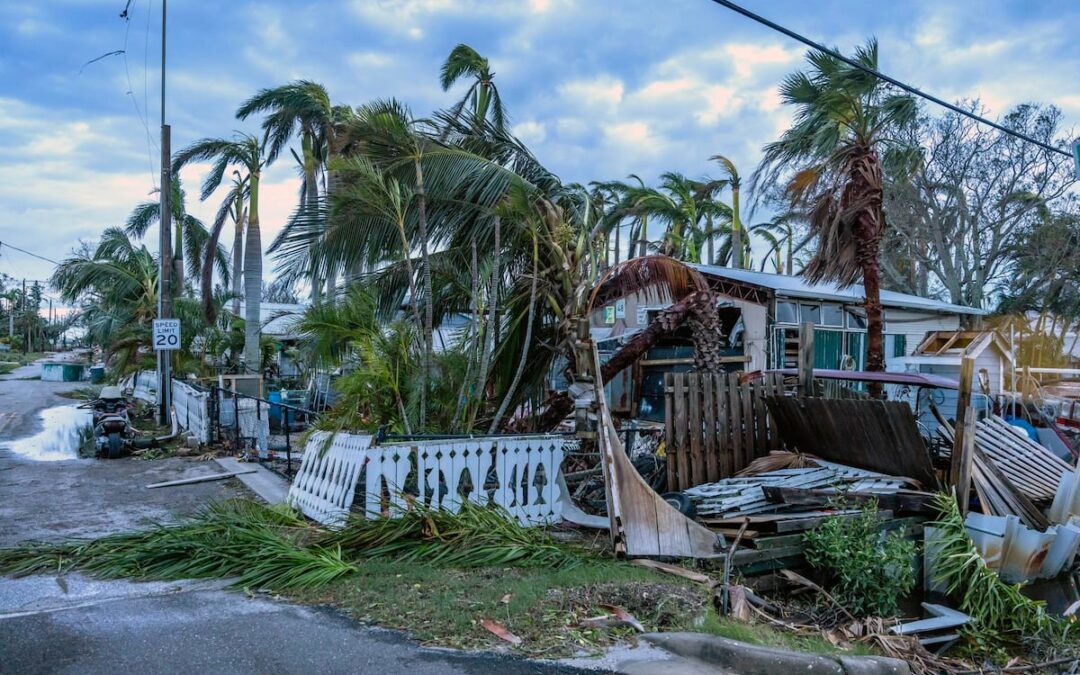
pixel 166 334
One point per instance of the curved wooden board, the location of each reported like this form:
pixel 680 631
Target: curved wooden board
pixel 642 524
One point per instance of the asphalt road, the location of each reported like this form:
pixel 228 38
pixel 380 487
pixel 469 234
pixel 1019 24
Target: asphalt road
pixel 71 624
pixel 191 627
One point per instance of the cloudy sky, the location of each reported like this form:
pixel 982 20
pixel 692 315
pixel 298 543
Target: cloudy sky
pixel 598 88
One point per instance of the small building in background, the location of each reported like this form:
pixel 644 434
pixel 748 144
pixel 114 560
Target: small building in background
pixel 761 315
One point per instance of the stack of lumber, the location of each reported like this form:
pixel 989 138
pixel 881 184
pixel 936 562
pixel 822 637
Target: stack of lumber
pixel 770 512
pixel 1012 474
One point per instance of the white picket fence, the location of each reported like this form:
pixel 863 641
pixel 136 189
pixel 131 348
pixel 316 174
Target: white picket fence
pixel 519 474
pixel 143 385
pixel 192 408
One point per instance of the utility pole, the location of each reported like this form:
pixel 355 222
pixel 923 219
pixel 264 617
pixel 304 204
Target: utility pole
pixel 164 358
pixel 22 310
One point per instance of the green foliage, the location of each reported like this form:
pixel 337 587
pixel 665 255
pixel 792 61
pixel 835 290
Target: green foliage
pixel 274 548
pixel 869 570
pixel 242 539
pixel 998 609
pixel 476 536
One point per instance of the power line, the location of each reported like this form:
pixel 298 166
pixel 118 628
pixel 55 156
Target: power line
pixel 39 257
pixel 906 87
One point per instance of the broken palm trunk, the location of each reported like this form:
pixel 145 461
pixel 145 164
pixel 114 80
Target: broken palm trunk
pixel 642 523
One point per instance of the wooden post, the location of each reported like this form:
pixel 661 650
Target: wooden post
pixel 806 359
pixel 963 436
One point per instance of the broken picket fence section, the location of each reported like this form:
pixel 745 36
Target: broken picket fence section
pixel 520 474
pixel 716 426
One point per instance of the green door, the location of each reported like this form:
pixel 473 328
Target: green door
pixel 856 348
pixel 828 348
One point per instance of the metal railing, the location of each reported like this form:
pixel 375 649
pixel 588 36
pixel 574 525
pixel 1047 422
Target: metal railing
pixel 248 422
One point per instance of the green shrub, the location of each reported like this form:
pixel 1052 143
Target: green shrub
pixel 867 570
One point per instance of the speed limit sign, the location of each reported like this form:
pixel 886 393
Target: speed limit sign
pixel 166 334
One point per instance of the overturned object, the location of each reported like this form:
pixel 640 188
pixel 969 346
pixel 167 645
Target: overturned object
pixel 642 523
pixel 875 435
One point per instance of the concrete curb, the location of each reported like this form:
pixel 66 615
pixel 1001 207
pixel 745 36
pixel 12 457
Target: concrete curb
pixel 272 488
pixel 748 659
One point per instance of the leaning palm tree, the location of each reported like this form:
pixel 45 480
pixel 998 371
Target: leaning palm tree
pixel 248 154
pixel 482 94
pixel 831 158
pixel 190 236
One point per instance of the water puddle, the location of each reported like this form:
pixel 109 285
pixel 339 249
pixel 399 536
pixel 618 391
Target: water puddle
pixel 65 427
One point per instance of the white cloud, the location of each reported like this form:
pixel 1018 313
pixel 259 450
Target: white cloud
pixel 531 131
pixel 603 91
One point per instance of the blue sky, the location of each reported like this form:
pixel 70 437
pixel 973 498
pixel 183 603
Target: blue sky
pixel 598 88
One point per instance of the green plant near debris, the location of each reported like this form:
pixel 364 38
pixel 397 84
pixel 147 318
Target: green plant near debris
pixel 997 608
pixel 869 570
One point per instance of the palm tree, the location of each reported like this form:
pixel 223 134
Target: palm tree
pixel 682 205
pixel 483 95
pixel 248 154
pixel 734 181
pixel 302 107
pixel 781 233
pixel 843 115
pixel 190 236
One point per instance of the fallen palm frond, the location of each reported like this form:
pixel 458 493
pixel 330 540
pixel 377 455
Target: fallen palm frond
pixel 994 606
pixel 777 460
pixel 475 536
pixel 255 544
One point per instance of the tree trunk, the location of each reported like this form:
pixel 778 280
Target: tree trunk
pixel 698 308
pixel 178 254
pixel 526 344
pixel 864 187
pixel 736 231
pixel 311 201
pixel 429 310
pixel 238 257
pixel 252 280
pixel 490 329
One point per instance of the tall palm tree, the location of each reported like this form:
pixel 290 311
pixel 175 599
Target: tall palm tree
pixel 734 181
pixel 190 236
pixel 482 94
pixel 684 206
pixel 299 108
pixel 844 119
pixel 248 154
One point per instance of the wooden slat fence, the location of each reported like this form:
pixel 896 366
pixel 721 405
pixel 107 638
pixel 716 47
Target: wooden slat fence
pixel 716 426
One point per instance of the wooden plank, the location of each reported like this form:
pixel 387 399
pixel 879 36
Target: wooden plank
pixel 761 416
pixel 199 479
pixel 723 426
pixel 964 437
pixel 681 449
pixel 748 423
pixel 708 403
pixel 735 423
pixel 669 430
pixel 697 473
pixel 909 502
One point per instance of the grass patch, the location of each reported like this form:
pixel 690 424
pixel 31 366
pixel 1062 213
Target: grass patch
pixel 7 367
pixel 440 605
